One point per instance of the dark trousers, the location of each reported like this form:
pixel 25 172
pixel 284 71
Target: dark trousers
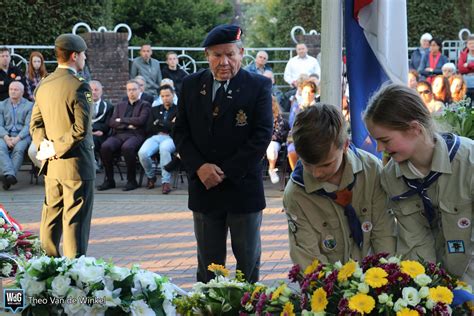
pixel 211 235
pixel 67 211
pixel 98 141
pixel 128 146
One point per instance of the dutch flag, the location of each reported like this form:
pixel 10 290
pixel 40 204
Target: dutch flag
pixel 377 52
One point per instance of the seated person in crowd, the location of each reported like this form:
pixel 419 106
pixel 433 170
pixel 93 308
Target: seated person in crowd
pixel 128 123
pixel 101 112
pixel 448 70
pixel 280 133
pixel 149 68
pixel 421 51
pixel 458 88
pixel 172 71
pixel 15 116
pixel 441 89
pixel 334 202
pixel 160 123
pixel 432 62
pixel 424 90
pixel 275 91
pixel 8 74
pixel 412 79
pixel 466 62
pixel 165 82
pixel 144 96
pixel 308 92
pixel 293 95
pixel 259 66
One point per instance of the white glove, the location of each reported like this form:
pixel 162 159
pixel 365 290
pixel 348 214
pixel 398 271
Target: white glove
pixel 46 150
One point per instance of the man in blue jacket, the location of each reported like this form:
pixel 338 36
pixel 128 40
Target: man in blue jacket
pixel 223 128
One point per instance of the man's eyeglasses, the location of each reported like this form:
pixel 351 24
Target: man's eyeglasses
pixel 424 92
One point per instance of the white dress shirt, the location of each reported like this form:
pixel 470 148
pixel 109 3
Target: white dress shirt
pixel 297 66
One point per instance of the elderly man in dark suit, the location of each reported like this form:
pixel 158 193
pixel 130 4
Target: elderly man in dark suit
pixel 61 129
pixel 128 122
pixel 223 128
pixel 101 112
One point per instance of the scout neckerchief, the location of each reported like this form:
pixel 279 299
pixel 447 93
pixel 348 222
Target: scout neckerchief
pixel 420 187
pixel 341 197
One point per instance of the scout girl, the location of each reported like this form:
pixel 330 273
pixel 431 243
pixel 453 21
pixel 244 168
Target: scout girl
pixel 429 180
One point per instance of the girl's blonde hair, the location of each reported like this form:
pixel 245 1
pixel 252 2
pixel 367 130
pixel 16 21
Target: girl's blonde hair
pixel 395 106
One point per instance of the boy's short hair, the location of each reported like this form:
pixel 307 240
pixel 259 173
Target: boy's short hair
pixel 316 129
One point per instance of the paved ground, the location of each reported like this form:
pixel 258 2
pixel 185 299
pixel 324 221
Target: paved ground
pixel 143 226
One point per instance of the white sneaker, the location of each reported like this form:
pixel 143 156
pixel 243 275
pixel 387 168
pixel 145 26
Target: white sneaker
pixel 274 178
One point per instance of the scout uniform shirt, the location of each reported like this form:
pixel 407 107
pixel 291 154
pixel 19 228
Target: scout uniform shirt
pixel 449 238
pixel 318 227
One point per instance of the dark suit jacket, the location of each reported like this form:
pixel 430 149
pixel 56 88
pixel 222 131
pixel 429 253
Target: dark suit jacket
pixel 236 140
pixel 101 121
pixel 156 121
pixel 61 113
pixel 141 111
pixel 144 97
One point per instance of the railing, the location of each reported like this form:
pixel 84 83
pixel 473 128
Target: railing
pixel 192 59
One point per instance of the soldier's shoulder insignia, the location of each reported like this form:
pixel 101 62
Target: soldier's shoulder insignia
pixel 88 97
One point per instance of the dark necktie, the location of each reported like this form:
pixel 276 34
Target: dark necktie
pixel 219 99
pixel 344 199
pixel 420 187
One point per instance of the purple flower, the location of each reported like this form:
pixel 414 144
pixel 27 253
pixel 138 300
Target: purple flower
pixel 245 299
pixel 441 309
pixel 260 304
pixel 293 274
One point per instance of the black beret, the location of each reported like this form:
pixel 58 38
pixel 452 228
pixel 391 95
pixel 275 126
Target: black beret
pixel 71 42
pixel 223 34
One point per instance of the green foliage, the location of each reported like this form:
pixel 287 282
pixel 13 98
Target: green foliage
pixel 441 19
pixel 459 119
pixel 269 22
pixel 171 23
pixel 39 22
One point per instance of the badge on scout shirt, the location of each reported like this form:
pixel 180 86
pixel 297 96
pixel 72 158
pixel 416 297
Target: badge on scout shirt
pixel 455 246
pixel 241 118
pixel 464 222
pixel 89 97
pixel 367 226
pixel 329 242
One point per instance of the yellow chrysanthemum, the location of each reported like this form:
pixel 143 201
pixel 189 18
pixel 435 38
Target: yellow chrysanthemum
pixel 276 294
pixel 441 294
pixel 346 271
pixel 376 277
pixel 312 267
pixel 321 275
pixel 288 310
pixel 412 268
pixel 218 269
pixel 319 300
pixel 257 289
pixel 407 312
pixel 362 303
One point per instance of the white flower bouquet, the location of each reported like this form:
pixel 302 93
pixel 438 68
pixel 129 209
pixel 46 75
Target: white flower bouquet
pixel 87 286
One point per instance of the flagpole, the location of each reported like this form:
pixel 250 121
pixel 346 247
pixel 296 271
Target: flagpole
pixel 331 52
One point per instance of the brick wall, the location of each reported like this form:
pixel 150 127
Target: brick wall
pixel 107 57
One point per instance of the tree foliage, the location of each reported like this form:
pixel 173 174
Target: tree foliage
pixel 170 22
pixel 269 22
pixel 39 22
